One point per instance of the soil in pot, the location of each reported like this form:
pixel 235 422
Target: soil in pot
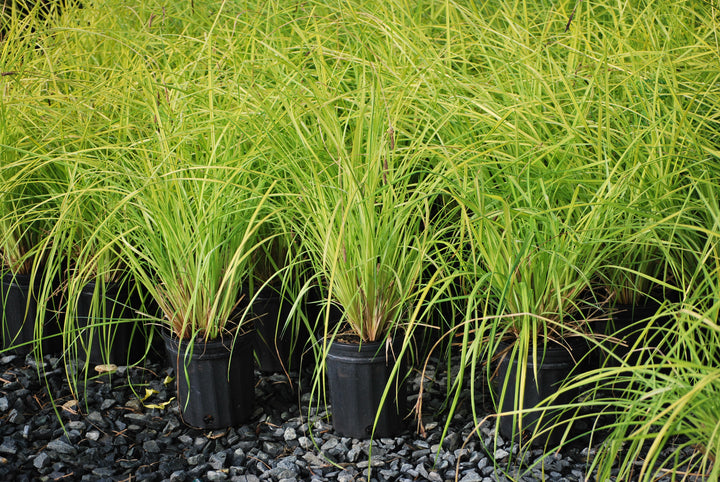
pixel 18 301
pixel 109 331
pixel 215 380
pixel 357 375
pixel 555 364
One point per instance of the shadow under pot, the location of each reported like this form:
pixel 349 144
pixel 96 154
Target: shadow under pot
pixel 275 349
pixel 109 331
pixel 357 375
pixel 19 315
pixel 544 376
pixel 215 380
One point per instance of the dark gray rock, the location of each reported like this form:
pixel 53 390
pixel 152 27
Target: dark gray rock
pixel 136 418
pixel 389 474
pixel 374 462
pixel 247 445
pixel 177 476
pixel 217 461
pixel 151 446
pixel 353 454
pixel 501 454
pixel 272 448
pixel 434 477
pixel 103 472
pixel 97 419
pixel 314 460
pixel 196 459
pixel 8 446
pixel 238 457
pixel 347 475
pixel 61 447
pixel 16 417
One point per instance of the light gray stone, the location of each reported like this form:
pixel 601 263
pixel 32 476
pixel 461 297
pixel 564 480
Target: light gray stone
pixel 41 460
pixel 289 434
pixel 305 443
pixel 353 454
pixel 471 476
pixel 314 460
pixel 501 454
pixel 246 478
pixel 217 460
pixel 434 477
pixel 196 459
pixel 330 444
pixel 213 475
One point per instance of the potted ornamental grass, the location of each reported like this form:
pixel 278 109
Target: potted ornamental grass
pixel 193 214
pixel 19 214
pixel 194 231
pixel 545 221
pixel 644 273
pixel 21 272
pixel 676 431
pixel 359 197
pixel 100 318
pixel 27 216
pixel 365 158
pixel 103 323
pixel 54 131
pixel 533 304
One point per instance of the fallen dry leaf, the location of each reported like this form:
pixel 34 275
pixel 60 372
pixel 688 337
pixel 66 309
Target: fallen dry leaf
pixel 160 406
pixel 149 392
pixel 109 368
pixel 70 406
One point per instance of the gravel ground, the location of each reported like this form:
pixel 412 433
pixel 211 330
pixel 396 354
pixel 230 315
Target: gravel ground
pixel 110 434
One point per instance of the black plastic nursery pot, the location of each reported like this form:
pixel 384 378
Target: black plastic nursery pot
pixel 357 375
pixel 555 364
pixel 109 331
pixel 215 380
pixel 19 315
pixel 275 350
